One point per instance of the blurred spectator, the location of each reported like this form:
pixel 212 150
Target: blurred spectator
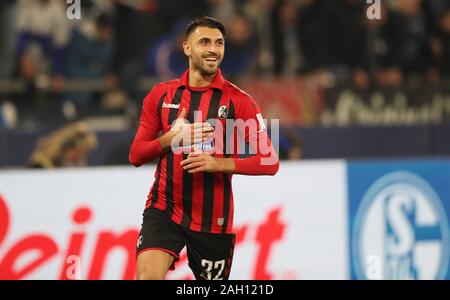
pixel 332 42
pixel 66 147
pixel 260 14
pixel 354 42
pixel 7 14
pixel 350 26
pixel 285 38
pixel 166 58
pixel 97 7
pixel 240 46
pixel 433 11
pixel 174 10
pixel 138 23
pixel 8 115
pixel 221 9
pixel 291 146
pixel 409 38
pixel 319 33
pixel 441 46
pixel 90 56
pixel 374 52
pixel 43 33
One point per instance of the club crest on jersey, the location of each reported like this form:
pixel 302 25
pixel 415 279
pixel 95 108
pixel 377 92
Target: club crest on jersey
pixel 140 240
pixel 223 112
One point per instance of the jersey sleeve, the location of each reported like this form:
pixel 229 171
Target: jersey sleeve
pixel 265 160
pixel 146 146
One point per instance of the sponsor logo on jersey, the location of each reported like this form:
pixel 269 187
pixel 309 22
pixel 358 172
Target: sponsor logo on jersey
pixel 170 105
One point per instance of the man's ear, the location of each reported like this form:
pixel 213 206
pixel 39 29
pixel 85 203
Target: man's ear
pixel 187 48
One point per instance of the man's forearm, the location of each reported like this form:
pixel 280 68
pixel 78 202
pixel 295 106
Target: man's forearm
pixel 226 165
pixel 256 165
pixel 142 152
pixel 166 141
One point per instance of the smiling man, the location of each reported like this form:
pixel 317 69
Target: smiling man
pixel 202 117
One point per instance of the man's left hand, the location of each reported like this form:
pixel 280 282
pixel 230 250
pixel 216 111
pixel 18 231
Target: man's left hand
pixel 204 162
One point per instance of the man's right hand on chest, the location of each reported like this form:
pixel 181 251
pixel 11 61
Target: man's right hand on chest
pixel 183 133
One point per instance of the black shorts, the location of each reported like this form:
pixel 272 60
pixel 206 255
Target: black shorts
pixel 210 255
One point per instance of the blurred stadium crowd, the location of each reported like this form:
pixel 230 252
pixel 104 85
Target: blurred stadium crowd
pixel 298 58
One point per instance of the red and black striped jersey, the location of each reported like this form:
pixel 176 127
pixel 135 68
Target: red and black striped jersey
pixel 201 201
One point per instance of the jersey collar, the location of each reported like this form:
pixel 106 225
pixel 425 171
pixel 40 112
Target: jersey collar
pixel 217 82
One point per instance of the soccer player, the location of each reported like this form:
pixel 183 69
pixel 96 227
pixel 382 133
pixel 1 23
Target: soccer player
pixel 191 201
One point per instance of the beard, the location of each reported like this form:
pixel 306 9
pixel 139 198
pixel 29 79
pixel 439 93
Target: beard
pixel 205 70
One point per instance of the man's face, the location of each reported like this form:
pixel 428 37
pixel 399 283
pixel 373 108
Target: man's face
pixel 205 48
